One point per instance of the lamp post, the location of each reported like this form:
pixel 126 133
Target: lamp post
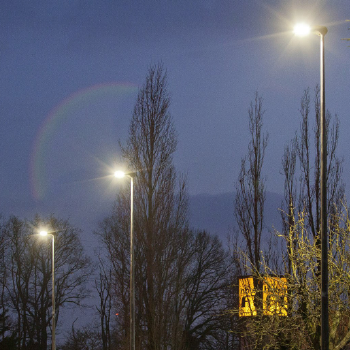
pixel 303 30
pixel 45 233
pixel 121 174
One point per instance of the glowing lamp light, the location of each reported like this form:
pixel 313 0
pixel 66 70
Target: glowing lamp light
pixel 119 174
pixel 302 29
pixel 43 233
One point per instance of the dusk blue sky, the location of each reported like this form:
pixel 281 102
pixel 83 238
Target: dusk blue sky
pixel 70 72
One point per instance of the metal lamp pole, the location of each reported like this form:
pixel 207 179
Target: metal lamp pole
pixel 322 31
pixel 132 267
pixel 45 233
pixel 120 174
pixel 302 30
pixel 53 296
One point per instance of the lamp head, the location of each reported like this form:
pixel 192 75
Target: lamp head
pixel 119 174
pixel 302 29
pixel 43 233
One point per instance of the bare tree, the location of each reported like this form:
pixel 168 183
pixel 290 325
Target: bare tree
pixel 300 235
pixel 250 187
pixel 104 288
pixel 29 288
pixel 299 329
pixel 160 203
pixel 7 335
pixel 302 184
pixel 180 275
pixel 205 293
pixel 301 169
pixel 160 207
pixel 114 235
pixel 86 338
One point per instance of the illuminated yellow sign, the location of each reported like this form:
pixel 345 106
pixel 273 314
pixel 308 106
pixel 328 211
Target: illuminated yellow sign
pixel 274 296
pixel 246 297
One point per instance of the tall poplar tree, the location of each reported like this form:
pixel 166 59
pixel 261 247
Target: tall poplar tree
pixel 250 186
pixel 160 215
pixel 180 275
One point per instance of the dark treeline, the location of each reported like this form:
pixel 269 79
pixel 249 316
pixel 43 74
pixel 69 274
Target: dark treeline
pixel 26 273
pixel 186 281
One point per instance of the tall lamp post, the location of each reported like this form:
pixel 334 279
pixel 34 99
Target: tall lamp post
pixel 121 174
pixel 45 233
pixel 303 30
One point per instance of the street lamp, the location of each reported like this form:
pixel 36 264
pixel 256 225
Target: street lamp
pixel 45 233
pixel 121 174
pixel 303 30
